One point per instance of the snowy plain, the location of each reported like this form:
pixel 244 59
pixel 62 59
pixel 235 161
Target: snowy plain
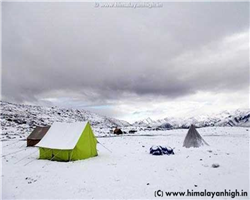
pixel 125 169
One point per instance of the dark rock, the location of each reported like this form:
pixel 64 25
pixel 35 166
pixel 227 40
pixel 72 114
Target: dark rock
pixel 215 165
pixel 132 131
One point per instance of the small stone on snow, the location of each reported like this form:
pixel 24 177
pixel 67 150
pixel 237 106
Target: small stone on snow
pixel 215 165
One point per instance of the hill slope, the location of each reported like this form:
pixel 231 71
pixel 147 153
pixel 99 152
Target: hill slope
pixel 18 120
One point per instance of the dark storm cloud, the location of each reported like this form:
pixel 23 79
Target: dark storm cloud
pixel 97 53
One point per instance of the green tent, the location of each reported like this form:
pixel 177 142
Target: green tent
pixel 68 142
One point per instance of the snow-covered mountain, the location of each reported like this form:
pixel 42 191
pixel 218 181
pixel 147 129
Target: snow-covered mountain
pixel 145 122
pixel 17 120
pixel 23 118
pixel 240 117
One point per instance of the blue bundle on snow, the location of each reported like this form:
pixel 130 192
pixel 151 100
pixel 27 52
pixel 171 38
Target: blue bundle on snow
pixel 159 150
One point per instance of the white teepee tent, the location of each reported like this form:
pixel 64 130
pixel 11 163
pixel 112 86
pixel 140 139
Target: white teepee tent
pixel 193 138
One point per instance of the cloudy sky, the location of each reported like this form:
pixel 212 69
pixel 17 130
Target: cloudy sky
pixel 182 59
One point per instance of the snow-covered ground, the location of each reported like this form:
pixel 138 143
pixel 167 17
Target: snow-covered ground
pixel 130 171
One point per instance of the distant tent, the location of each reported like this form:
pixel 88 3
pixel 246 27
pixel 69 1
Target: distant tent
pixel 117 131
pixel 68 142
pixel 193 138
pixel 36 135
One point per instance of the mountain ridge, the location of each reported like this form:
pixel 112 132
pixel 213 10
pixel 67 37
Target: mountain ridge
pixel 20 119
pixel 239 117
